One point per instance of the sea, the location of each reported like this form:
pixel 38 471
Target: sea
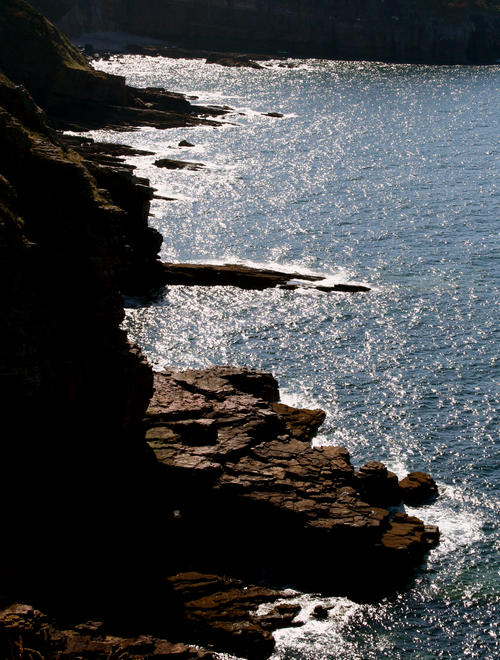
pixel 381 174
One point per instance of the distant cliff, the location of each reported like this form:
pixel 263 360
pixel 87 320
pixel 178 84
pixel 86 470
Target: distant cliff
pixel 427 31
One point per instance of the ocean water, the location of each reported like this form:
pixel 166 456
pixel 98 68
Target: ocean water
pixel 385 175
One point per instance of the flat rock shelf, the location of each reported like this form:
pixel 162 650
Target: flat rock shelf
pixel 247 277
pixel 241 473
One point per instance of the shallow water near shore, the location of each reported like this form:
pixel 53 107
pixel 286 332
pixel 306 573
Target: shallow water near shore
pixel 385 175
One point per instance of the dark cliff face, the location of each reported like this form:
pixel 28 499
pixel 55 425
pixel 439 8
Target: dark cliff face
pixel 33 52
pixel 74 389
pixel 438 32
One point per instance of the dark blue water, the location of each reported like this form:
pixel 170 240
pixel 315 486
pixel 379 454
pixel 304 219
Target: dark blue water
pixel 381 174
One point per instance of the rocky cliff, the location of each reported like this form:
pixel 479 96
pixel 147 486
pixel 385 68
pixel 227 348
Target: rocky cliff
pixel 429 31
pixel 76 96
pixel 130 520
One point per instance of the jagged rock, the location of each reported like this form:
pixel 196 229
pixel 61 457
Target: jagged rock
pixel 404 539
pixel 346 288
pixel 281 616
pixel 418 487
pixel 320 612
pixel 171 164
pixel 27 632
pixel 222 611
pixel 245 277
pixel 266 494
pixel 377 485
pixel 300 422
pixel 228 59
pixel 185 143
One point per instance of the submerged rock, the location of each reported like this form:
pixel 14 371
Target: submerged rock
pixel 229 59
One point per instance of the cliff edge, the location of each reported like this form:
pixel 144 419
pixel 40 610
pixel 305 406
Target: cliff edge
pixel 421 31
pixel 139 509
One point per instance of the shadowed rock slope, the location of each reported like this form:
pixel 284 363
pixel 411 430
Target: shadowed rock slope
pixel 74 95
pixel 83 516
pixel 432 32
pixel 128 525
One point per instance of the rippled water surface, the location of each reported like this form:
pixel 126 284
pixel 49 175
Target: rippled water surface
pixel 381 174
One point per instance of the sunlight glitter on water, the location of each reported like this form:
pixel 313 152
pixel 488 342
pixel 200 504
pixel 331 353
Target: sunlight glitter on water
pixel 379 174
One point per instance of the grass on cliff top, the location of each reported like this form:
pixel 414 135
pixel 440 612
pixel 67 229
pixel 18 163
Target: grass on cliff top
pixel 30 43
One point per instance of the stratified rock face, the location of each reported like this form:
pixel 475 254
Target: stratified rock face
pixel 390 30
pixel 418 487
pixel 241 471
pixel 218 610
pixel 73 389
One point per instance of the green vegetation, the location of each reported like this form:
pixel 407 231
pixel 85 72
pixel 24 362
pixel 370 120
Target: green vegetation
pixel 32 50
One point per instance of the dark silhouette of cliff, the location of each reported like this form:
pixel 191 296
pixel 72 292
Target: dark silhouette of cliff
pixel 426 31
pixel 117 506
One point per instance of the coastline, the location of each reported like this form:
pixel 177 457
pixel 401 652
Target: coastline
pixel 219 437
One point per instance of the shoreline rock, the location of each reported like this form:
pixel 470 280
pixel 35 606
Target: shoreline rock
pixel 171 164
pixel 246 277
pixel 240 468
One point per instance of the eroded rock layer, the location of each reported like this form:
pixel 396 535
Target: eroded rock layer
pixel 242 473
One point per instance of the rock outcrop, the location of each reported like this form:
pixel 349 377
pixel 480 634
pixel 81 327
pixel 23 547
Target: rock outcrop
pixel 220 611
pixel 76 96
pixel 417 488
pixel 240 469
pixel 128 520
pixel 439 32
pixel 247 277
pixel 74 389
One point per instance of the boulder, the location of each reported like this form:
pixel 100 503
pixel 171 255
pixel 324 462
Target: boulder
pixel 377 485
pixel 171 164
pixel 417 488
